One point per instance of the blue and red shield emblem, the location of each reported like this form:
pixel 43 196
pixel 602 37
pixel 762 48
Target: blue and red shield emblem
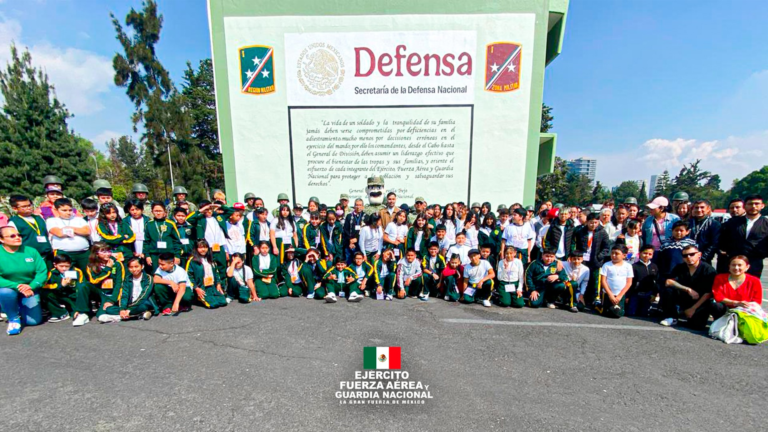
pixel 502 67
pixel 257 69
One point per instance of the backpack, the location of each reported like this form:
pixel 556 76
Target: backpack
pixel 726 329
pixel 753 323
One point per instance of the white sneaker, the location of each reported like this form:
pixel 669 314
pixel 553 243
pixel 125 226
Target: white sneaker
pixel 487 303
pixel 330 298
pixel 146 316
pixel 342 294
pixel 355 297
pixel 107 319
pixel 81 319
pixel 668 322
pixel 446 298
pixel 311 296
pixel 229 300
pixel 366 293
pixel 388 297
pixel 425 297
pixel 551 305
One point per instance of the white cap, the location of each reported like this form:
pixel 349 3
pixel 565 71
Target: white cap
pixel 658 202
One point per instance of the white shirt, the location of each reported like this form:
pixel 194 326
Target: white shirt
pixel 286 234
pixel 617 275
pixel 76 243
pixel 243 274
pixel 93 223
pixel 236 241
pixel 263 262
pixel 633 248
pixel 177 275
pixel 578 275
pixel 443 244
pixel 517 236
pixel 417 243
pixel 136 291
pixel 472 236
pixel 397 232
pixel 462 250
pixel 561 244
pixel 475 274
pixel 371 239
pixel 213 233
pixel 137 225
pixel 542 233
pixel 450 231
pixel 510 271
pixel 750 224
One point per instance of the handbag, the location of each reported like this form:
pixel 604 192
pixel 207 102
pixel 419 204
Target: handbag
pixel 753 323
pixel 726 329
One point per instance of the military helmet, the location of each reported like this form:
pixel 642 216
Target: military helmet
pixel 680 196
pixel 631 201
pixel 282 196
pixel 529 208
pixel 249 195
pixel 559 205
pixel 101 184
pixel 475 204
pixel 139 187
pixel 315 200
pixel 51 179
pixel 501 207
pixel 180 190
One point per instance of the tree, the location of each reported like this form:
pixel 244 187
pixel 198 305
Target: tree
pixel 552 187
pixel 699 184
pixel 546 118
pixel 662 185
pixel 600 193
pixel 755 182
pixel 642 197
pixel 34 137
pixel 625 190
pixel 579 190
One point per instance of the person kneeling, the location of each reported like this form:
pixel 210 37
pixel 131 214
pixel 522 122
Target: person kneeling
pixel 688 290
pixel 204 277
pixel 478 279
pixel 340 280
pixel 544 281
pixel 510 273
pixel 172 290
pixel 240 280
pixel 615 280
pixel 135 300
pixel 59 293
pixel 265 266
pixel 409 277
pixel 364 272
pixel 104 284
pixel 451 280
pixel 290 282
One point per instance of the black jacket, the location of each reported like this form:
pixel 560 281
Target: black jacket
pixel 600 247
pixel 646 279
pixel 552 239
pixel 706 234
pixel 349 231
pixel 734 241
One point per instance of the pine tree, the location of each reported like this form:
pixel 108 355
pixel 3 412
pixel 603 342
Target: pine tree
pixel 663 185
pixel 34 137
pixel 642 197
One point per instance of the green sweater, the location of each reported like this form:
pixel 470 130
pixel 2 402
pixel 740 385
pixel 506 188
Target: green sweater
pixel 162 231
pixel 30 231
pixel 537 274
pixel 25 266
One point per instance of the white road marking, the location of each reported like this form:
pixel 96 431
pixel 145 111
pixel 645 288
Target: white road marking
pixel 556 324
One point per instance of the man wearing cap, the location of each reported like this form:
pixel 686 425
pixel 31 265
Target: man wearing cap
pixel 658 227
pixel 419 206
pixel 678 198
pixel 180 200
pixel 388 213
pixel 282 199
pixel 141 193
pixel 344 201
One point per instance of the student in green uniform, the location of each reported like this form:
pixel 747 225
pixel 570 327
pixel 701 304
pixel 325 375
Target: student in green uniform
pixel 510 274
pixel 210 223
pixel 203 276
pixel 490 235
pixel 311 273
pixel 136 300
pixel 32 227
pixel 59 293
pixel 257 230
pixel 364 271
pixel 451 279
pixel 615 280
pixel 103 283
pixel 310 237
pixel 342 281
pixel 409 277
pixel 265 267
pixel 543 280
pixel 185 233
pixel 69 233
pixel 385 272
pixel 282 232
pixel 485 253
pixel 137 220
pixel 240 280
pixel 161 235
pixel 289 280
pixel 478 279
pixel 432 266
pixel 172 290
pixel 298 218
pixel 118 235
pixel 22 274
pixel 331 231
pixel 418 236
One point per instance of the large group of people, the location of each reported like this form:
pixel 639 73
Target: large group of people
pixel 64 260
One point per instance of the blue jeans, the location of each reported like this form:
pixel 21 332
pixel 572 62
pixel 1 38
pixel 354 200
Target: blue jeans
pixel 16 306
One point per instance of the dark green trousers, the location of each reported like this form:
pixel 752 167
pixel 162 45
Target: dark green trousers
pixel 87 292
pixel 58 302
pixel 213 298
pixel 481 292
pixel 510 298
pixel 451 288
pixel 241 292
pixel 431 285
pixel 164 296
pixel 608 309
pixel 267 290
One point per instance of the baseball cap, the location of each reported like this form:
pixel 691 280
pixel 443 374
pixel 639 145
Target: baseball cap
pixel 658 202
pixel 473 252
pixel 239 206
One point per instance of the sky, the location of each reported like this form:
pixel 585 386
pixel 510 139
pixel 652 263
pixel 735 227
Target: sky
pixel 641 86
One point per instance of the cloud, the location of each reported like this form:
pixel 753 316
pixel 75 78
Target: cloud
pixel 100 140
pixel 80 77
pixel 732 158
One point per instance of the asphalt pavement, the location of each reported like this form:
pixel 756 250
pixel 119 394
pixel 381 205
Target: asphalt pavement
pixel 277 365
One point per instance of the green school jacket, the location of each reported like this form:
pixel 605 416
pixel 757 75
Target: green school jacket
pixel 331 242
pixel 285 276
pixel 378 266
pixel 537 273
pixel 341 276
pixel 122 241
pixel 307 237
pixel 367 268
pixel 410 240
pixel 310 276
pixel 196 273
pixel 146 290
pixel 30 231
pixel 438 267
pixel 274 264
pixel 185 232
pixel 55 277
pixel 165 231
pixel 492 240
pixel 101 278
pixel 198 221
pixel 253 235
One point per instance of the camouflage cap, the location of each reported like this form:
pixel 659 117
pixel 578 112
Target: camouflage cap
pixel 376 181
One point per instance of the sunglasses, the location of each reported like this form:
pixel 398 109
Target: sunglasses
pixel 688 255
pixel 13 236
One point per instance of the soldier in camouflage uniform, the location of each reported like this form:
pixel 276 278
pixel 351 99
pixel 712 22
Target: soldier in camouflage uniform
pixel 141 193
pixel 282 199
pixel 180 197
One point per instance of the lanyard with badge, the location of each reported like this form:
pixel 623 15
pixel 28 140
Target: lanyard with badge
pixel 161 244
pixel 36 228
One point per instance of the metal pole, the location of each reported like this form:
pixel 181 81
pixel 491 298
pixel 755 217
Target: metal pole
pixel 95 164
pixel 170 165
